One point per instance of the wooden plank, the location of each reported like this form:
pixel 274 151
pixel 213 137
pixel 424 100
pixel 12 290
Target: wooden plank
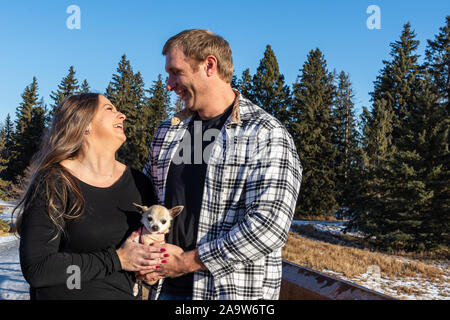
pixel 301 283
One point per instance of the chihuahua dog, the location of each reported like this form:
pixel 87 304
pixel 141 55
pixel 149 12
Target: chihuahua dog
pixel 156 222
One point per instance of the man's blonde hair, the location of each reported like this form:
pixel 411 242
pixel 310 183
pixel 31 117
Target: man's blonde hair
pixel 198 44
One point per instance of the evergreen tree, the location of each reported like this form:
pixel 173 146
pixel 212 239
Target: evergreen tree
pixel 345 140
pixel 234 82
pixel 268 88
pixel 157 110
pixel 3 166
pixel 126 91
pixel 67 87
pixel 30 124
pixel 8 136
pixel 312 130
pixel 438 62
pixel 245 85
pixel 85 88
pixel 401 140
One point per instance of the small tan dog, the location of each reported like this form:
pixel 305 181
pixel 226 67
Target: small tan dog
pixel 156 222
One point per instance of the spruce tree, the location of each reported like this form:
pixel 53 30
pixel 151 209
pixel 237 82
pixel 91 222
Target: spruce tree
pixel 312 130
pixel 8 136
pixel 85 88
pixel 268 87
pixel 438 62
pixel 67 87
pixel 234 82
pixel 245 85
pixel 3 165
pixel 346 141
pixel 126 91
pixel 157 110
pixel 397 194
pixel 30 124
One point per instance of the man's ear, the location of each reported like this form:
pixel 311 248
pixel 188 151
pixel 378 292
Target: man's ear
pixel 142 209
pixel 211 65
pixel 176 211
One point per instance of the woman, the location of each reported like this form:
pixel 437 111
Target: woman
pixel 78 214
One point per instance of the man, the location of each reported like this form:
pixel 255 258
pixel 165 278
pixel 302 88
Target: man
pixel 238 182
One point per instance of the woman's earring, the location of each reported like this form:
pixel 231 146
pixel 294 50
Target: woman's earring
pixel 87 132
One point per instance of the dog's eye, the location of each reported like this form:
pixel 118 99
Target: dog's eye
pixel 163 221
pixel 150 218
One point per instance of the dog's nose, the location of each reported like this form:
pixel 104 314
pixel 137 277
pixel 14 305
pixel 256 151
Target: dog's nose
pixel 155 228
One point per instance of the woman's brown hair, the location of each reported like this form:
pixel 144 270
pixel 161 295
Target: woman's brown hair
pixel 61 191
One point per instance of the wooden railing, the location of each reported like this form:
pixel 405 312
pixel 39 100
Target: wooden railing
pixel 300 283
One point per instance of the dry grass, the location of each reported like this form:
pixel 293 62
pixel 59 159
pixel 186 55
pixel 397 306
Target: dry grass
pixel 352 262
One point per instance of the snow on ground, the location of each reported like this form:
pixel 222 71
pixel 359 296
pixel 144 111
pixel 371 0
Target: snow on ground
pixel 334 227
pixel 6 213
pixel 12 284
pixel 418 288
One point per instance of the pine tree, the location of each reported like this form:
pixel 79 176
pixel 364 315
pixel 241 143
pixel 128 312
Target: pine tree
pixel 126 91
pixel 3 165
pixel 245 85
pixel 438 62
pixel 157 110
pixel 312 130
pixel 234 82
pixel 85 88
pixel 397 192
pixel 8 135
pixel 67 87
pixel 30 124
pixel 268 87
pixel 346 141
pixel 437 135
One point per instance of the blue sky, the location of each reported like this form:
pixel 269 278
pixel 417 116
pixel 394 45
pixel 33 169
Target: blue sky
pixel 36 42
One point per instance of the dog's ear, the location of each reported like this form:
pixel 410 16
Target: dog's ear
pixel 142 209
pixel 176 211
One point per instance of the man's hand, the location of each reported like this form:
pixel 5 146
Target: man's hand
pixel 175 263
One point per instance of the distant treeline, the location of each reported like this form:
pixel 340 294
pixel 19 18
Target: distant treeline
pixel 388 172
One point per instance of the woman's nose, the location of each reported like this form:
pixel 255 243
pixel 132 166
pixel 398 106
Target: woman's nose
pixel 122 116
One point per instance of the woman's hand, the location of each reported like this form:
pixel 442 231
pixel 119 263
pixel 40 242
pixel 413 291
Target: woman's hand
pixel 134 256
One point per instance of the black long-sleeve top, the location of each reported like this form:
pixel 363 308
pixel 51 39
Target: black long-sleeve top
pixel 89 242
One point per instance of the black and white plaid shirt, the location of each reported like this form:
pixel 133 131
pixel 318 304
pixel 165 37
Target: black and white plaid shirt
pixel 251 187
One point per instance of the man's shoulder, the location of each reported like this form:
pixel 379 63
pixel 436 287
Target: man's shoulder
pixel 253 116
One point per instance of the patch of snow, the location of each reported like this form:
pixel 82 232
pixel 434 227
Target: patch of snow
pixel 12 284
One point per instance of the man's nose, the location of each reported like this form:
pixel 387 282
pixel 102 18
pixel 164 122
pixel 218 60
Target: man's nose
pixel 170 83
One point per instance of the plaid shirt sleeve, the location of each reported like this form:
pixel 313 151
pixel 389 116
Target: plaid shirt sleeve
pixel 271 191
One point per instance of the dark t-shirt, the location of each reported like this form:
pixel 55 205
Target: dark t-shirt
pixel 184 186
pixel 89 242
